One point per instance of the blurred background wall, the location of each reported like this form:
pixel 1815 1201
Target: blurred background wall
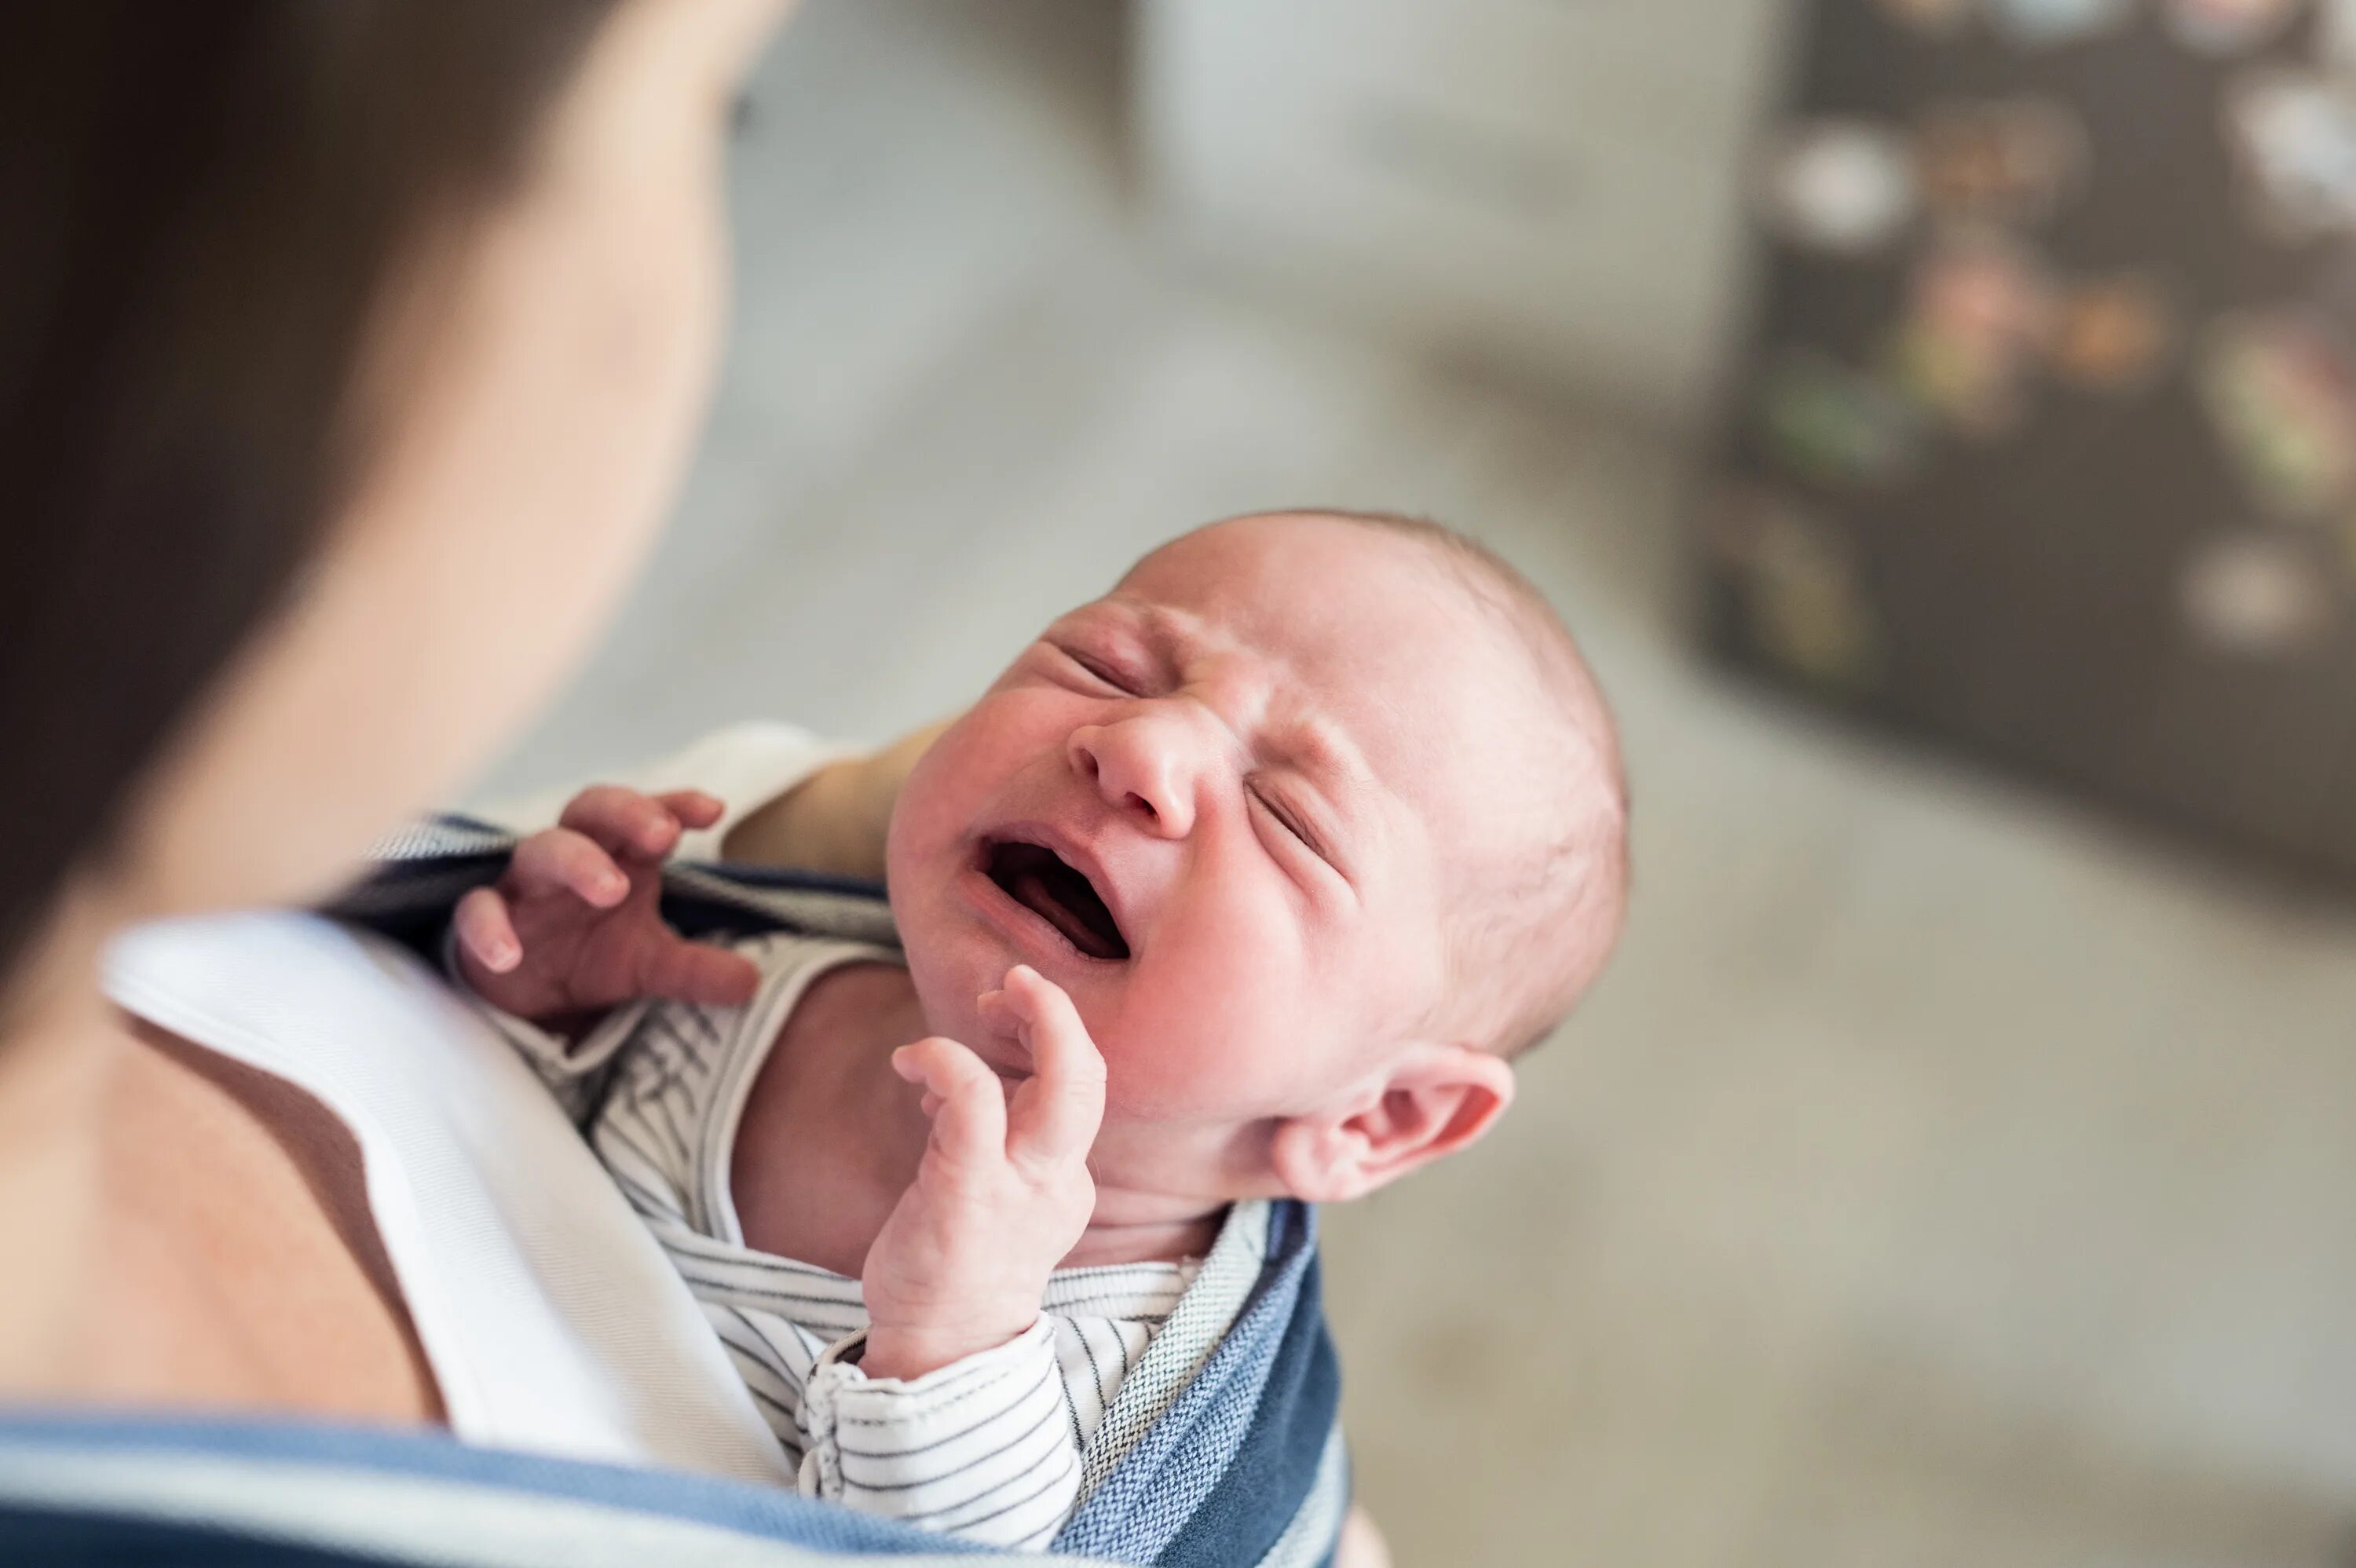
pixel 1947 1171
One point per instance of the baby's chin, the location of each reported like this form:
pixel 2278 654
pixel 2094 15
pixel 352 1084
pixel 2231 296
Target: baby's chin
pixel 953 953
pixel 950 962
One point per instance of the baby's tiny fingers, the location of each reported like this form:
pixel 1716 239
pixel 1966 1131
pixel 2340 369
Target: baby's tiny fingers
pixel 485 932
pixel 697 972
pixel 561 860
pixel 693 807
pixel 623 821
pixel 1058 1109
pixel 1011 1011
pixel 970 1123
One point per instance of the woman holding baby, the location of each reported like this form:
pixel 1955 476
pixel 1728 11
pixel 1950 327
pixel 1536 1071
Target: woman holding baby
pixel 325 327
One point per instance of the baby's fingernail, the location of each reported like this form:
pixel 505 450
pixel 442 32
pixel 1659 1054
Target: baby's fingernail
pixel 500 956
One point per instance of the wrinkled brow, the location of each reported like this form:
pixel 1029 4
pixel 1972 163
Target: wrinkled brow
pixel 1291 733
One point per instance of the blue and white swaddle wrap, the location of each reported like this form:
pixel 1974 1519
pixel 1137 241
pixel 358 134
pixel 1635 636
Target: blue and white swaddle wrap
pixel 1218 1448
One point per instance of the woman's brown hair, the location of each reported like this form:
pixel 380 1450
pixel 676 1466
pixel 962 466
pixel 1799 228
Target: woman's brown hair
pixel 201 205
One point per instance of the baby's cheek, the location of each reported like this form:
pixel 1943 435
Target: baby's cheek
pixel 1221 1004
pixel 1164 1076
pixel 1197 1057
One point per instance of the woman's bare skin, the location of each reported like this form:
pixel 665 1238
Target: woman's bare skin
pixel 247 1269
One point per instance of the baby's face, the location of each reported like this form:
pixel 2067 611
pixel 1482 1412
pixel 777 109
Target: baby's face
pixel 1219 807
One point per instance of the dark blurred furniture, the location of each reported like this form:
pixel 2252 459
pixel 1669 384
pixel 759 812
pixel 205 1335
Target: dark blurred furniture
pixel 2044 440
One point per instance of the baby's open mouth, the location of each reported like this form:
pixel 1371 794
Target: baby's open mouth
pixel 1042 883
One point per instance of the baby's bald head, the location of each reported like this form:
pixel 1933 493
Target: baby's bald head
pixel 1534 920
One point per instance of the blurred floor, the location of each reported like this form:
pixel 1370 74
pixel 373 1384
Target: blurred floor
pixel 1939 1176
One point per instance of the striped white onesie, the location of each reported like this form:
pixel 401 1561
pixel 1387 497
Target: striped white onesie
pixel 987 1448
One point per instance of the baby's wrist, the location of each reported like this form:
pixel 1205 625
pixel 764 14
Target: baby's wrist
pixel 910 1352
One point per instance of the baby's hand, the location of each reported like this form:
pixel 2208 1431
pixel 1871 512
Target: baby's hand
pixel 575 925
pixel 1003 1192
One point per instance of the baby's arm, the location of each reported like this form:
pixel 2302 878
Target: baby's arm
pixel 984 1448
pixel 955 1415
pixel 834 820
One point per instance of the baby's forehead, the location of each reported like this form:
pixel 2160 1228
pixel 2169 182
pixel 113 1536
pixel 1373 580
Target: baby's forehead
pixel 1371 632
pixel 1337 599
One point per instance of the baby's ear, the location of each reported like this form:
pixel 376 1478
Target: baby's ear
pixel 1432 1100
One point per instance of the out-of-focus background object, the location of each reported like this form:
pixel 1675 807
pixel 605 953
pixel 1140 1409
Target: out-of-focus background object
pixel 1550 186
pixel 1944 1173
pixel 2045 438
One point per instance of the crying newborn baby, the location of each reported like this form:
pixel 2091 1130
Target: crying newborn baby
pixel 1246 881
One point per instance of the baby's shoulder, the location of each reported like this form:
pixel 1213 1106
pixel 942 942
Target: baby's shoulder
pixel 800 975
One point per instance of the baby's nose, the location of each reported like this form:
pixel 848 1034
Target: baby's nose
pixel 1139 773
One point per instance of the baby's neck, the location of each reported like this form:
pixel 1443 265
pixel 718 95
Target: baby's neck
pixel 830 1137
pixel 1134 1227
